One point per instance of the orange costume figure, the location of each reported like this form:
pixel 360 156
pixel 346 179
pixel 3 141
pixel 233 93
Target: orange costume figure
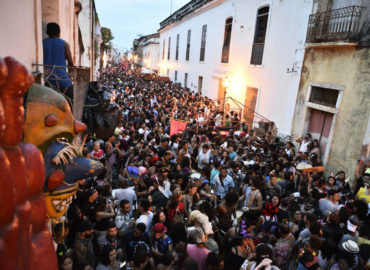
pixel 25 240
pixel 38 176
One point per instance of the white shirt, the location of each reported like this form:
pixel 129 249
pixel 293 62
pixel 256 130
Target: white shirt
pixel 218 120
pixel 125 194
pixel 304 146
pixel 122 221
pixel 203 158
pixel 147 220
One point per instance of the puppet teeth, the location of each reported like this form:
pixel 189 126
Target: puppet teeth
pixel 65 155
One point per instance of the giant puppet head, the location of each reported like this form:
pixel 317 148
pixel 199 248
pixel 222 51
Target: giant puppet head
pixel 50 126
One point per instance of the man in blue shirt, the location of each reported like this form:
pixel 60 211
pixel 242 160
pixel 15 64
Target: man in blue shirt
pixel 223 183
pixel 56 53
pixel 162 242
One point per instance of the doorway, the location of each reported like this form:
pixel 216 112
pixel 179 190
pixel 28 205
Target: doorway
pixel 250 106
pixel 319 126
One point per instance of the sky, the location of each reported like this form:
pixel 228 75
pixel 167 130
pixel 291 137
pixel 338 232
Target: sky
pixel 128 18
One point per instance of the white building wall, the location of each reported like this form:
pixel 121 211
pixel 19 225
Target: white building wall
pixel 84 19
pixel 20 30
pixel 284 48
pixel 150 55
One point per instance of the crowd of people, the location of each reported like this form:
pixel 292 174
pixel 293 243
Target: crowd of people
pixel 206 199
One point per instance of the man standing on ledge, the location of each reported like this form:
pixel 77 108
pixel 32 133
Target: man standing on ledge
pixel 56 52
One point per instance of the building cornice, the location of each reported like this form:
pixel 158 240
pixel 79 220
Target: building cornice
pixel 179 14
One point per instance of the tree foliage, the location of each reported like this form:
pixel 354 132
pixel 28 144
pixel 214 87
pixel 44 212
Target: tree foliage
pixel 107 37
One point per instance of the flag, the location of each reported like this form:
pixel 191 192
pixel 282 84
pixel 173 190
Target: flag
pixel 177 126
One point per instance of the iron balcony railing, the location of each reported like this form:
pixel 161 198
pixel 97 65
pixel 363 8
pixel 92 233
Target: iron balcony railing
pixel 341 24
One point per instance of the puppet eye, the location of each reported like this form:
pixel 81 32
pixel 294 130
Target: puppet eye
pixel 51 120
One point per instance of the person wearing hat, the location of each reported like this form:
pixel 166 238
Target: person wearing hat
pixel 83 249
pixel 351 234
pixel 347 258
pixel 162 242
pixel 242 247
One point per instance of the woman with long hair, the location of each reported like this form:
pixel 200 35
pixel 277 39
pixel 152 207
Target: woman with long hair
pixel 191 197
pixel 108 259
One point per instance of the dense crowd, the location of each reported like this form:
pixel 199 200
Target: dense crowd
pixel 206 198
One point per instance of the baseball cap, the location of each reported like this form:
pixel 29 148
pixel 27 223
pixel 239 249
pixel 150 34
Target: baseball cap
pixel 159 228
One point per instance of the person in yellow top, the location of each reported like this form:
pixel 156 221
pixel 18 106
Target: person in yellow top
pixel 364 193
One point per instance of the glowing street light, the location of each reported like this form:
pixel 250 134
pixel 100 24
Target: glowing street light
pixel 226 82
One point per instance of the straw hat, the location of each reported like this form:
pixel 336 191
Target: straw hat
pixel 351 246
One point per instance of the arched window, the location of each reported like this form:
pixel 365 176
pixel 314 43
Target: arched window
pixel 227 38
pixel 259 35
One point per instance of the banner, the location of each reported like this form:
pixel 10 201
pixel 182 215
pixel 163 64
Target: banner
pixel 177 126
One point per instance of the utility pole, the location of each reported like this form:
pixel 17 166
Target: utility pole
pixel 171 7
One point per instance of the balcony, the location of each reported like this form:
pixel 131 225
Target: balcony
pixel 341 24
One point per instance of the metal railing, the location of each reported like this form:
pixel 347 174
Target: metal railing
pixel 54 76
pixel 341 24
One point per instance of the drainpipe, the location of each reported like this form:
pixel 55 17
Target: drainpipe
pixel 92 50
pixel 36 31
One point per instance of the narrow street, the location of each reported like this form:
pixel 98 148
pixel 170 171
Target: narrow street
pixel 226 134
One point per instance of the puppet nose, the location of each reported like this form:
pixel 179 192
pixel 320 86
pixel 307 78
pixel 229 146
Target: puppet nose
pixel 79 127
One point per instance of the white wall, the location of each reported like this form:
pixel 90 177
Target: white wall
pixel 150 55
pixel 284 48
pixel 20 31
pixel 84 19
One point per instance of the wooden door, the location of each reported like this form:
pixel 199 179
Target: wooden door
pixel 250 105
pixel 319 127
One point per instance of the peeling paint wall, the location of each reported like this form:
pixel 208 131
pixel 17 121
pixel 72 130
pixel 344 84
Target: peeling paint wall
pixel 343 66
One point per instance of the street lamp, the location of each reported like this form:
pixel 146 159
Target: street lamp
pixel 226 82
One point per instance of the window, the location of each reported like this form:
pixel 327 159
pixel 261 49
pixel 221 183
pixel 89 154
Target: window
pixel 324 96
pixel 200 84
pixel 227 38
pixel 169 48
pixel 186 80
pixel 188 46
pixel 177 46
pixel 203 43
pixel 175 75
pixel 164 45
pixel 259 36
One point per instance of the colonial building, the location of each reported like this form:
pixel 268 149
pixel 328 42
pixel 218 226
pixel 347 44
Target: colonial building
pixel 244 52
pixel 333 102
pixel 91 37
pixel 146 49
pixel 22 30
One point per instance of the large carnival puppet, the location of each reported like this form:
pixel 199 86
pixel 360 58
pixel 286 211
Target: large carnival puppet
pixel 26 182
pixel 50 126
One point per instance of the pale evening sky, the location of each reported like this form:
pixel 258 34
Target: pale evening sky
pixel 128 18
